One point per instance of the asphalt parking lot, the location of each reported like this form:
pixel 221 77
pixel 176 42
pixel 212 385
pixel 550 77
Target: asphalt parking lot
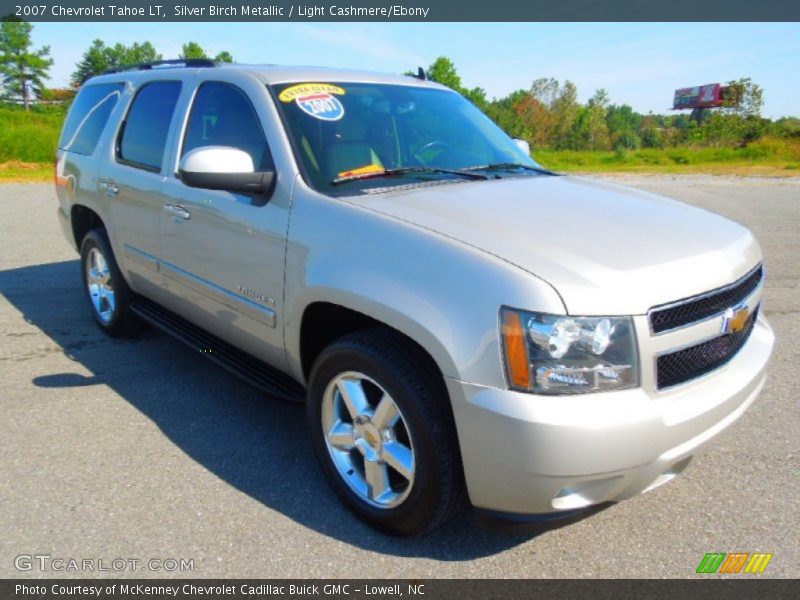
pixel 141 449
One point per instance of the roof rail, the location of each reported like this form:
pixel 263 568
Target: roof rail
pixel 175 62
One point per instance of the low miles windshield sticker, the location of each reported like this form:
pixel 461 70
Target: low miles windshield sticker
pixel 316 99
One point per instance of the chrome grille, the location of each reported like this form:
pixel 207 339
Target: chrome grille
pixel 692 362
pixel 692 310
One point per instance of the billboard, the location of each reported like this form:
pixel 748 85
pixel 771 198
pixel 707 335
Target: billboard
pixel 699 96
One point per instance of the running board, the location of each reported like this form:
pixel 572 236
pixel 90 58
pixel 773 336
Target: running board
pixel 249 368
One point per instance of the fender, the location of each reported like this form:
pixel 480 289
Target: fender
pixel 442 293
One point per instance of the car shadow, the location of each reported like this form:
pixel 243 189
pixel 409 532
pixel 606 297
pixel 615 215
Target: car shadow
pixel 260 447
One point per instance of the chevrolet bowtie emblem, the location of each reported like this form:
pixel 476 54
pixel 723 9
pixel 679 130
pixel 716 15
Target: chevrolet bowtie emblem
pixel 735 318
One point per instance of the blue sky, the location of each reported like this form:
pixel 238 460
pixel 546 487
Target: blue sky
pixel 639 64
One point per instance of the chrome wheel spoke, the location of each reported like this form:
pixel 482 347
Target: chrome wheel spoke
pixel 100 262
pixel 377 479
pixel 361 423
pixel 386 414
pixel 111 299
pixel 341 436
pixel 354 397
pixel 400 458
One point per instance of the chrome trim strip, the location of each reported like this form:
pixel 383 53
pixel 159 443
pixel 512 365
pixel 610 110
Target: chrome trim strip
pixel 219 294
pixel 141 257
pixel 691 299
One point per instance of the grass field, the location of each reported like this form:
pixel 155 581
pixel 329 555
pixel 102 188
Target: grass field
pixel 769 157
pixel 29 137
pixel 28 142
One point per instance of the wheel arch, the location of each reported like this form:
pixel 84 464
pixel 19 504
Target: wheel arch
pixel 325 321
pixel 83 220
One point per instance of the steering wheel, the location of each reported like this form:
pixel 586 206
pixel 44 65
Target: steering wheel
pixel 444 147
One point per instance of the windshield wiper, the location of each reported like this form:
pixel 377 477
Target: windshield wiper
pixel 509 166
pixel 467 173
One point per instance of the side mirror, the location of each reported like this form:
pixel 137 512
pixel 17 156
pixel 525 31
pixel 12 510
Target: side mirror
pixel 223 168
pixel 524 146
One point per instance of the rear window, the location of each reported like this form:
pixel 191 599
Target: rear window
pixel 88 117
pixel 144 134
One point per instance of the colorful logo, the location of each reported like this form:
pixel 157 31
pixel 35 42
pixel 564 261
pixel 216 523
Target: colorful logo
pixel 720 562
pixel 321 106
pixel 735 319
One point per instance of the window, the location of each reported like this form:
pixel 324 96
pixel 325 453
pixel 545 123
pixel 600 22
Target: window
pixel 341 130
pixel 146 127
pixel 88 117
pixel 223 116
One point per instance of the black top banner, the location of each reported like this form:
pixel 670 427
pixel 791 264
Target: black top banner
pixel 402 10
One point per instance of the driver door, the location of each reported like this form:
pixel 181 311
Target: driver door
pixel 223 252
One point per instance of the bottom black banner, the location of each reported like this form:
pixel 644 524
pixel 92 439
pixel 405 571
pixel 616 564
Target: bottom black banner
pixel 392 589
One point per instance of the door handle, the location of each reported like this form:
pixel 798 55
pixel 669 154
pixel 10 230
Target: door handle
pixel 178 211
pixel 110 188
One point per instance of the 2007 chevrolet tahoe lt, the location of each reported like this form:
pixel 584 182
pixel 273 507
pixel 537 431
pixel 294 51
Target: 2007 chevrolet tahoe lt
pixel 460 322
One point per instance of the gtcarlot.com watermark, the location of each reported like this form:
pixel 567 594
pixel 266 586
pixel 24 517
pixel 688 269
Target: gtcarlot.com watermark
pixel 46 563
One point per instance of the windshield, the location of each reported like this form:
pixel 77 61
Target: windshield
pixel 376 135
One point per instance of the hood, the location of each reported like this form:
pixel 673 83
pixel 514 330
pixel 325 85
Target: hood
pixel 606 249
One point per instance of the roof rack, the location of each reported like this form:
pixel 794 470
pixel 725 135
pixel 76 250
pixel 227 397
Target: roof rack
pixel 175 62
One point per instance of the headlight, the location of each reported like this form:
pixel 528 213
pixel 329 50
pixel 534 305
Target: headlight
pixel 556 354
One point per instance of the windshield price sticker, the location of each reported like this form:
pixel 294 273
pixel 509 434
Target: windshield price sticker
pixel 321 106
pixel 316 99
pixel 306 89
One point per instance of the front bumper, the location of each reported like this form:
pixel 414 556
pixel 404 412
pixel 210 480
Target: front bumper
pixel 526 454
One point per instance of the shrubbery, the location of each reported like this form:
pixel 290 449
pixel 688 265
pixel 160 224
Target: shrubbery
pixel 30 136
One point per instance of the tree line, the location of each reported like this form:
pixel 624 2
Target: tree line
pixel 547 115
pixel 100 58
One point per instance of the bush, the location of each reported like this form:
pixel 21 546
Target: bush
pixel 627 140
pixel 652 137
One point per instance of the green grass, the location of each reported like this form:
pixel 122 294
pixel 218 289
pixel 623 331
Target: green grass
pixel 29 137
pixel 769 156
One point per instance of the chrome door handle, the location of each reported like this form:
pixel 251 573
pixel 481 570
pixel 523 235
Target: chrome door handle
pixel 177 210
pixel 110 188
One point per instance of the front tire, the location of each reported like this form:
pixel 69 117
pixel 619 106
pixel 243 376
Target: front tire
pixel 107 291
pixel 383 432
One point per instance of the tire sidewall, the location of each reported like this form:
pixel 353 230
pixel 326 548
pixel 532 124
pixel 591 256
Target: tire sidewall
pixel 419 507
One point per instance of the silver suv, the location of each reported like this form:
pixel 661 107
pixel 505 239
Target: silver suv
pixel 460 322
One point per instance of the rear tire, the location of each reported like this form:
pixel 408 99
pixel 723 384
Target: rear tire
pixel 383 432
pixel 106 290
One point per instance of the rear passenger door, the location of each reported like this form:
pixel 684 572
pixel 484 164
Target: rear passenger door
pixel 132 179
pixel 223 252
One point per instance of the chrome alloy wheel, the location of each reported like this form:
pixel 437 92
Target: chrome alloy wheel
pixel 368 439
pixel 100 286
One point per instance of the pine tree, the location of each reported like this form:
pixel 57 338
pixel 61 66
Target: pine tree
pixel 22 69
